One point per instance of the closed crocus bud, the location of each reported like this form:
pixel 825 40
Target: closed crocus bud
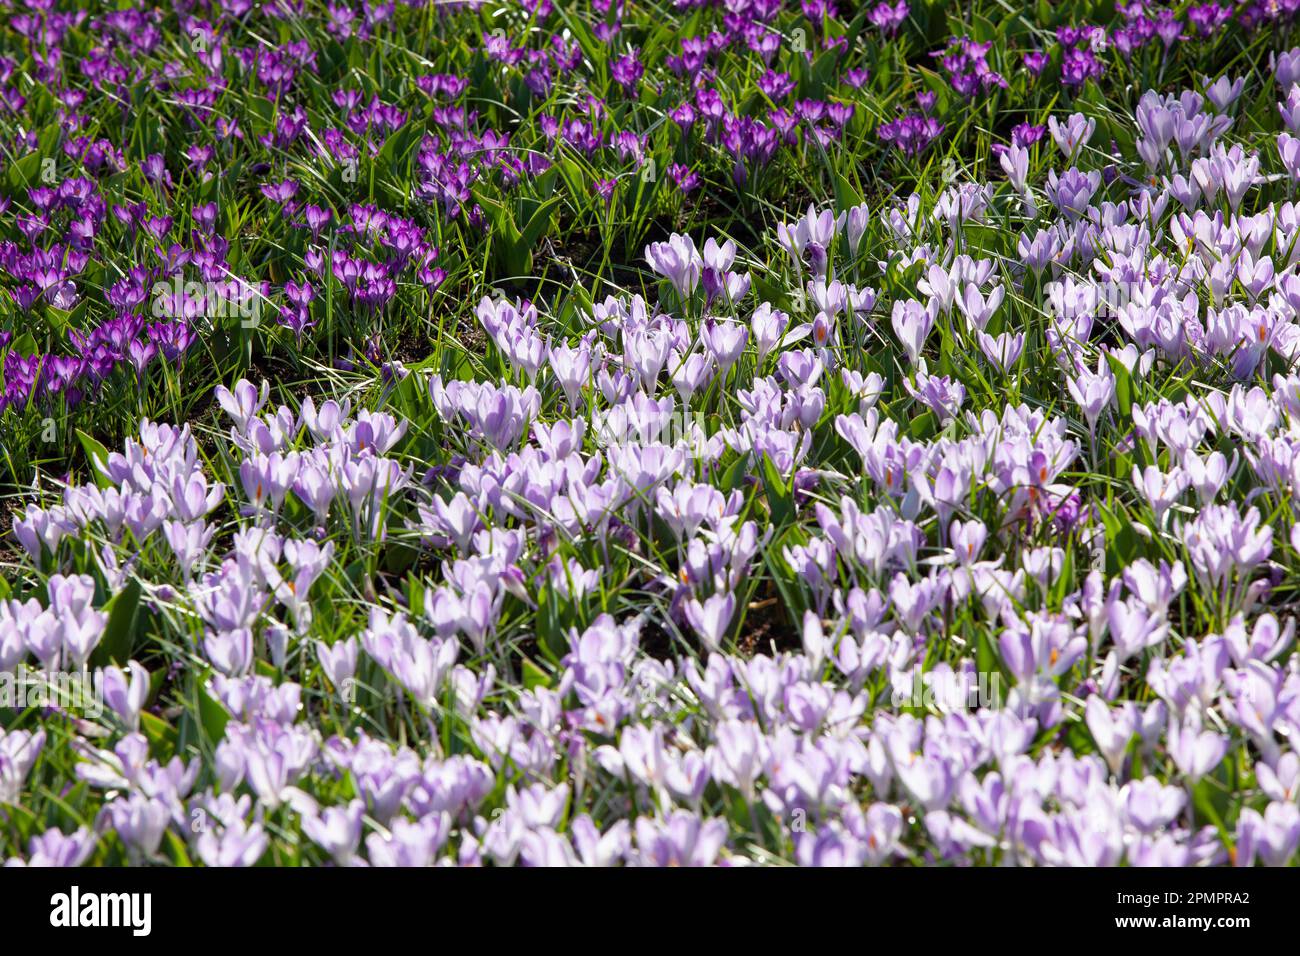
pixel 689 373
pixel 277 642
pixel 18 752
pixel 1112 729
pixel 855 225
pixel 912 323
pixel 817 258
pixel 230 763
pixel 769 326
pixel 1288 148
pixel 815 644
pixel 1015 163
pixel 725 342
pixel 140 822
pixel 125 691
pixel 739 755
pixel 572 368
pixel 1093 392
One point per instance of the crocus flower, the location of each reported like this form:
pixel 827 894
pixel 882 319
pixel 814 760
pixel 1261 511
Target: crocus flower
pixel 912 323
pixel 711 618
pixel 677 261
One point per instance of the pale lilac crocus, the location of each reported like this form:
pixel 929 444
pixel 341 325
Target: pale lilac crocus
pixel 912 323
pixel 725 342
pixel 1002 351
pixel 1093 392
pixel 678 261
pixel 711 618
